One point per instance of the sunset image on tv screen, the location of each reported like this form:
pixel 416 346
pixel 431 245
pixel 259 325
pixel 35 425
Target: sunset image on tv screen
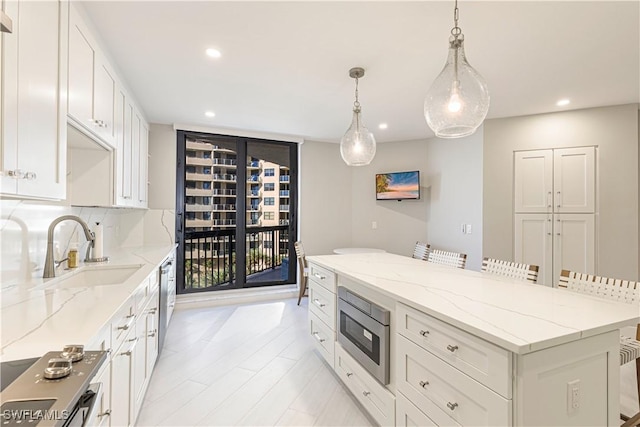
pixel 398 185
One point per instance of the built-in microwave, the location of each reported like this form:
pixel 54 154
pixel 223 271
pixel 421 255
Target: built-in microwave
pixel 363 331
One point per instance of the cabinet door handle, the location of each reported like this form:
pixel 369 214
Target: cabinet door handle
pixel 423 384
pixel 317 337
pixel 452 348
pixel 317 302
pixel 106 413
pixel 424 333
pixel 452 406
pixel 152 334
pixel 549 202
pixel 319 276
pixel 559 204
pixel 349 374
pixel 366 393
pixel 30 176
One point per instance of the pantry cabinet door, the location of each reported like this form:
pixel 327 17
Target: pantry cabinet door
pixel 533 244
pixel 533 181
pixel 574 180
pixel 574 244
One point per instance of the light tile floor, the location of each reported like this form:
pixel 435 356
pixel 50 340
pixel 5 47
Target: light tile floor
pixel 245 365
pixel 253 364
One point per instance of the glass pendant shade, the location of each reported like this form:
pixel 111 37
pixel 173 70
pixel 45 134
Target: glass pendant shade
pixel 458 100
pixel 358 145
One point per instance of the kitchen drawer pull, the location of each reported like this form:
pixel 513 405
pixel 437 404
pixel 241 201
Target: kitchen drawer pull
pixel 130 316
pixel 349 374
pixel 317 337
pixel 424 333
pixel 152 334
pixel 452 348
pixel 106 413
pixel 319 276
pixel 317 302
pixel 423 384
pixel 452 406
pixel 366 393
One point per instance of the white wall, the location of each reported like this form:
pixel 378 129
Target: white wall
pixel 159 220
pixel 454 168
pixel 451 194
pixel 614 130
pixel 325 198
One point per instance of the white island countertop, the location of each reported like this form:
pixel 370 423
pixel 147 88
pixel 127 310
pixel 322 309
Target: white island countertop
pixel 36 320
pixel 517 316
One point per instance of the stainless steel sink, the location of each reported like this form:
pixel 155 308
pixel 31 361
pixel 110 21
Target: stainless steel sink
pixel 89 277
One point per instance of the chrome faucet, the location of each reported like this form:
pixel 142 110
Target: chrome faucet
pixel 49 263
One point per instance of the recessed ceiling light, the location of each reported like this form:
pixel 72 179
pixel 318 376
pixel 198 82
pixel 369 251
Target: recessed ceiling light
pixel 383 126
pixel 563 102
pixel 214 53
pixel 210 114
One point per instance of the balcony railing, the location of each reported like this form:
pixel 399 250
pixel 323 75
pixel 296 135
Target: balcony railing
pixel 224 177
pixel 253 178
pixel 227 162
pixel 284 178
pixel 223 222
pixel 253 207
pixel 190 176
pixel 210 257
pixel 284 208
pixel 254 164
pixel 223 207
pixel 284 222
pixel 199 161
pixel 254 193
pixel 199 192
pixel 224 192
pixel 284 193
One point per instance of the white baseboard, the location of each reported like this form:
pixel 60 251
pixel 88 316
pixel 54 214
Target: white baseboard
pixel 235 296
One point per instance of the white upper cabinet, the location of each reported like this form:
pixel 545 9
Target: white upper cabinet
pixel 558 180
pixel 533 181
pixel 34 75
pixel 92 84
pixel 574 180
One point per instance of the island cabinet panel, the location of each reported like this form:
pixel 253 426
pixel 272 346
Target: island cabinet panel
pixel 377 400
pixel 322 310
pixel 424 379
pixel 481 360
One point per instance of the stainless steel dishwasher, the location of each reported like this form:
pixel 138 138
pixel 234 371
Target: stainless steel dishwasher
pixel 165 282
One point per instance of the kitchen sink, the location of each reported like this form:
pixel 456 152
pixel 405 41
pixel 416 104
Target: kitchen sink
pixel 93 276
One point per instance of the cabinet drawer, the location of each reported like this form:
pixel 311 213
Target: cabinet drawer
pixel 122 323
pixel 375 398
pixel 481 360
pixel 323 337
pixel 426 379
pixel 408 415
pixel 322 303
pixel 323 277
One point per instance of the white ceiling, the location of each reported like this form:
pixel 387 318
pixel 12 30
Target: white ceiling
pixel 284 65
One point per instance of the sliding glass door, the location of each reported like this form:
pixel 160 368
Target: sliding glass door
pixel 235 212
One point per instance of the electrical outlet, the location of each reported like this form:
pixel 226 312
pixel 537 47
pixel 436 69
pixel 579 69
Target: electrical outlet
pixel 374 225
pixel 468 228
pixel 573 396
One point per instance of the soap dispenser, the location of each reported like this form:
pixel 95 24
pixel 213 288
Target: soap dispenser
pixel 72 262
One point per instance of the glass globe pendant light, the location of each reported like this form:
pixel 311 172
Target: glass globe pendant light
pixel 458 100
pixel 357 146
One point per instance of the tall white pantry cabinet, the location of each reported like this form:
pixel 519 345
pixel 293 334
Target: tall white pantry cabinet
pixel 554 210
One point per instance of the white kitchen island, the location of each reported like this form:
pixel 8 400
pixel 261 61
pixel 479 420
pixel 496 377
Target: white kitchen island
pixel 522 354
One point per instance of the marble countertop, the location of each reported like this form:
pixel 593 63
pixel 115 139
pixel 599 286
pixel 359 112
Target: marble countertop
pixel 517 316
pixel 37 319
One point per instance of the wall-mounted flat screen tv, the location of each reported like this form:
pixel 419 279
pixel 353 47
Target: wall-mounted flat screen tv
pixel 398 185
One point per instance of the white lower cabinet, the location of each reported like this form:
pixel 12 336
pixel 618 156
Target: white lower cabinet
pixel 377 400
pixel 323 337
pixel 426 379
pixel 122 372
pixel 408 415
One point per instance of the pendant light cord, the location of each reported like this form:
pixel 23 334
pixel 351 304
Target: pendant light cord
pixel 356 103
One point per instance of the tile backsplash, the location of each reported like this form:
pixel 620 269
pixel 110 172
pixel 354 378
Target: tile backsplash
pixel 24 225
